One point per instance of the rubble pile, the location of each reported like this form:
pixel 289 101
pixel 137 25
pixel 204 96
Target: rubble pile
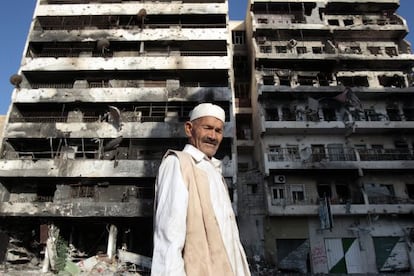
pixel 60 258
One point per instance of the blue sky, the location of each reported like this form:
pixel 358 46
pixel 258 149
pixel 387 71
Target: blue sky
pixel 16 16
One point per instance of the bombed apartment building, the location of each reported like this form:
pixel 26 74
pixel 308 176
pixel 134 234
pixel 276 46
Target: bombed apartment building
pixel 103 91
pixel 318 151
pixel 332 100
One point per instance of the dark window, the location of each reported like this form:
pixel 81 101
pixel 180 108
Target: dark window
pixel 348 22
pixel 288 115
pixel 329 114
pixel 324 190
pixel 342 192
pixel 333 22
pixel 374 50
pixel 410 191
pixel 268 80
pixel 281 49
pixel 393 114
pixel 317 50
pixel 391 51
pixel 271 114
pixel 301 50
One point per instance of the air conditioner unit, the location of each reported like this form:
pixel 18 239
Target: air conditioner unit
pixel 280 179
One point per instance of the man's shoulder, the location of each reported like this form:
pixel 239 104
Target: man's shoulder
pixel 179 154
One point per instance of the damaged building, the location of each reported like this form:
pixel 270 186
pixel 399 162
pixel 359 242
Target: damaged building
pixel 330 115
pixel 103 91
pixel 318 151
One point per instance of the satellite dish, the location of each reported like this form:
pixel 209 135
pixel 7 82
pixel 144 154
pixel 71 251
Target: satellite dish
pixel 142 13
pixel 16 80
pixel 103 44
pixel 292 43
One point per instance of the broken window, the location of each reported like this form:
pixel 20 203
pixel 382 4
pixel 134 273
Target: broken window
pixel 333 22
pixel 271 114
pixel 281 49
pixel 292 152
pixel 408 114
pixel 391 51
pixel 372 115
pixel 329 114
pixel 373 50
pixel 380 193
pixel 317 50
pixel 401 151
pixel 268 80
pixel 355 50
pixel 307 80
pixel 276 153
pixel 82 191
pixel 284 80
pixel 266 49
pixel 301 50
pixel 262 20
pixel 393 114
pixel 318 153
pixel 324 190
pixel 342 193
pixel 324 79
pixel 410 190
pixel 288 114
pixel 348 22
pixel 392 81
pixel 354 81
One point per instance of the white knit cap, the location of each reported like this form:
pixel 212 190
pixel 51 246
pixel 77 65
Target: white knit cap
pixel 208 109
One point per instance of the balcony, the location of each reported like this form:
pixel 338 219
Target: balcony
pixel 83 208
pixel 339 159
pixel 308 209
pixel 119 63
pixel 386 26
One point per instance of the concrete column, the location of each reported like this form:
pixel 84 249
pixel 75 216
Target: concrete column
pixel 111 250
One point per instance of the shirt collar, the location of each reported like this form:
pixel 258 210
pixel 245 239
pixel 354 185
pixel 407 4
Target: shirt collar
pixel 199 155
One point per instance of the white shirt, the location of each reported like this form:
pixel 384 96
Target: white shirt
pixel 171 215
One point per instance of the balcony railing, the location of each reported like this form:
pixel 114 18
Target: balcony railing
pixel 345 154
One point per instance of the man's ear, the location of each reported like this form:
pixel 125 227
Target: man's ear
pixel 188 128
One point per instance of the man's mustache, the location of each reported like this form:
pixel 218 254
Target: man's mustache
pixel 210 141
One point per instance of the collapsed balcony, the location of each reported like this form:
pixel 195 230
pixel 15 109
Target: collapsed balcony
pixel 77 197
pixel 83 241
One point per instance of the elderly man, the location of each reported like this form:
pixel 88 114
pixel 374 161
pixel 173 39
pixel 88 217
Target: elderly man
pixel 195 231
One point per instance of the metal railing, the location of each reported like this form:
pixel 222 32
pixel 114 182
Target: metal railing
pixel 345 154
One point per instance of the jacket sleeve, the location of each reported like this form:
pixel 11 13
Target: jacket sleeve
pixel 170 220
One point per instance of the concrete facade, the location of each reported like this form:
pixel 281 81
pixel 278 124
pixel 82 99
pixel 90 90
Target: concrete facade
pixel 103 91
pixel 319 139
pixel 331 129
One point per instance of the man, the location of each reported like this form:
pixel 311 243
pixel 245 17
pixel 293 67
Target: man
pixel 195 231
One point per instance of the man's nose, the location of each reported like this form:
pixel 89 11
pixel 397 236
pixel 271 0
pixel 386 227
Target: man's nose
pixel 212 135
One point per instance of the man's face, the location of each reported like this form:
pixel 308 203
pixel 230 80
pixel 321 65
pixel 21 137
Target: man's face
pixel 206 134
